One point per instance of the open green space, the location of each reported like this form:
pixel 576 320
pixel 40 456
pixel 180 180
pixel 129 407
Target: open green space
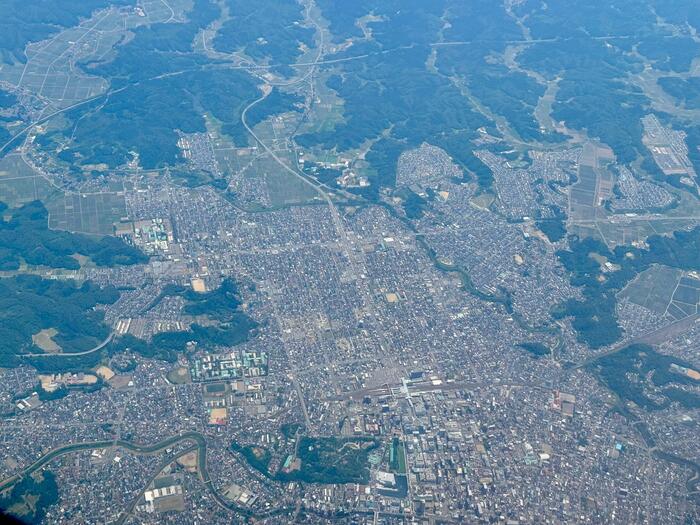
pixel 289 430
pixel 653 288
pixel 19 184
pixel 332 460
pixel 93 213
pixel 537 350
pixel 555 227
pixel 216 304
pixel 256 456
pixel 281 187
pixel 413 205
pixel 326 460
pixel 285 189
pixel 179 375
pixel 397 456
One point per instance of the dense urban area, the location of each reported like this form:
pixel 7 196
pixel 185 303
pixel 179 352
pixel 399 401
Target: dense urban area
pixel 368 262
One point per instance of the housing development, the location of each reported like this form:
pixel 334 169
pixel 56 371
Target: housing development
pixel 243 280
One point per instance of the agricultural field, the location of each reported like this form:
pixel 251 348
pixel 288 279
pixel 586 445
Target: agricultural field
pixel 95 213
pixel 20 184
pixel 654 288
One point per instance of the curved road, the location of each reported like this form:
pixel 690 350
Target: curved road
pixel 70 354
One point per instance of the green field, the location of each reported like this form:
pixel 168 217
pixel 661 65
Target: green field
pixel 397 456
pixel 93 213
pixel 283 188
pixel 653 288
pixel 665 291
pixel 19 183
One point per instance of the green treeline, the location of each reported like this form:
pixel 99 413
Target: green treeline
pixel 226 325
pixel 257 457
pixel 594 317
pixel 269 31
pixel 327 460
pixel 332 460
pixel 650 369
pixel 390 96
pixel 686 91
pixel 45 492
pixel 217 304
pixel 594 93
pixel 22 23
pixel 27 237
pixel 29 304
pixel 157 49
pixel 669 53
pixel 554 227
pixel 401 95
pixel 342 17
pixel 161 86
pixel 232 326
pixel 7 100
pixel 511 94
pixel 276 102
pixel 413 204
pixel 393 98
pixel 536 349
pixel 145 120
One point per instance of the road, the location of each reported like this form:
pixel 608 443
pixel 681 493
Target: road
pixel 126 513
pixel 94 445
pixel 72 354
pixel 654 337
pixel 345 242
